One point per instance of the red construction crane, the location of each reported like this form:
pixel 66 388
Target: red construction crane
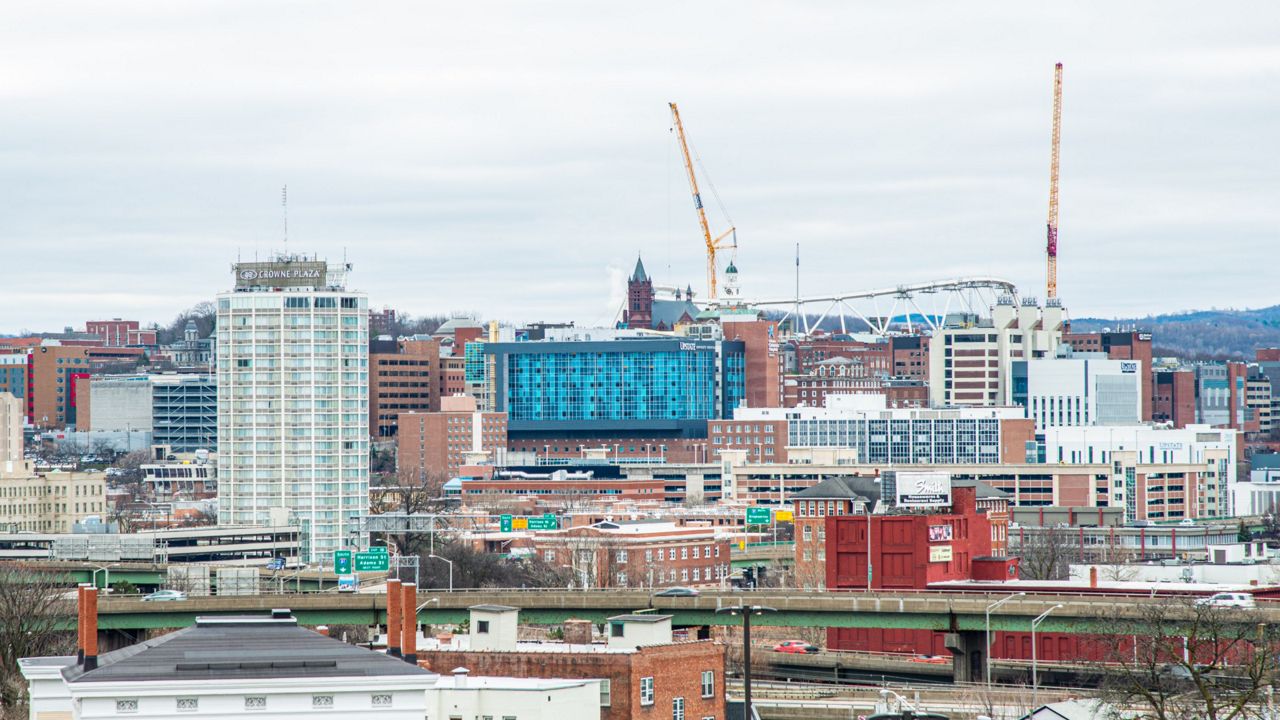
pixel 1052 249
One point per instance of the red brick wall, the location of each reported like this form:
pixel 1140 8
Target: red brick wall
pixel 676 670
pixel 762 359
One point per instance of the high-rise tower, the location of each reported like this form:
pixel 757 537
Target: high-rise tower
pixel 293 400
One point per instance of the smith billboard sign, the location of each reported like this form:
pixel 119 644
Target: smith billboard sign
pixel 923 489
pixel 297 273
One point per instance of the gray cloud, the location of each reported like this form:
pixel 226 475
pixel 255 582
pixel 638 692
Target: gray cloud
pixel 509 158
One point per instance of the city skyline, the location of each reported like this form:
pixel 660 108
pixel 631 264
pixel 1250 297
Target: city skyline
pixel 513 163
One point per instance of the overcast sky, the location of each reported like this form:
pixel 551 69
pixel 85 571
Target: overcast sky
pixel 512 158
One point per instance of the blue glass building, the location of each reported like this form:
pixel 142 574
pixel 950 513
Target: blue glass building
pixel 654 386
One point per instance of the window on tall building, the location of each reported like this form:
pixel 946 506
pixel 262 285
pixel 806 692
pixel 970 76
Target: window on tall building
pixel 646 691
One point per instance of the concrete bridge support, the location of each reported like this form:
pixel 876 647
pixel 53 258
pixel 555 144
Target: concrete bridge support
pixel 970 652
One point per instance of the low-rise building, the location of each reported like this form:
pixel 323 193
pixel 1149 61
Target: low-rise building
pixel 640 553
pixel 642 673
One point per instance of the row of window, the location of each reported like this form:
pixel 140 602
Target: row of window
pixel 253 702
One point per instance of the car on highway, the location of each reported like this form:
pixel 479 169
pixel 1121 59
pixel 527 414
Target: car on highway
pixel 676 592
pixel 797 647
pixel 165 596
pixel 932 659
pixel 1228 599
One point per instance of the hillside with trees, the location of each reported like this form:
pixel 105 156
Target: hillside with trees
pixel 1201 334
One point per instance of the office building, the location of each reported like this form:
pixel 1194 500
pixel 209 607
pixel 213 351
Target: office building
pixel 1209 452
pixel 875 434
pixel 439 444
pixel 973 364
pixel 180 411
pixel 402 379
pixel 293 400
pixel 44 375
pixel 592 390
pixel 1121 345
pixel 1079 389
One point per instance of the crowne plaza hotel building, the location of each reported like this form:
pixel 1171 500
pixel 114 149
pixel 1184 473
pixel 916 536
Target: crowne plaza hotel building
pixel 293 400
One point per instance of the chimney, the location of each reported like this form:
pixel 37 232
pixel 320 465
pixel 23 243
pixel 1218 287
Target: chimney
pixel 80 602
pixel 393 618
pixel 89 626
pixel 409 622
pixel 323 630
pixel 1093 576
pixel 459 678
pixel 577 632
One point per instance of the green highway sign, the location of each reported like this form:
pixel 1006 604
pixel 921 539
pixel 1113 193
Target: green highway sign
pixel 508 523
pixel 373 561
pixel 546 522
pixel 759 515
pixel 342 562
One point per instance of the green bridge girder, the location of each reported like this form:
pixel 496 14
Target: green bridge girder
pixel 924 611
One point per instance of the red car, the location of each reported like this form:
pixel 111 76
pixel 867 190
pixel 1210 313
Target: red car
pixel 798 647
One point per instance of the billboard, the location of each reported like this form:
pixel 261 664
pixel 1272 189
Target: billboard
pixel 281 274
pixel 923 489
pixel 940 533
pixel 941 553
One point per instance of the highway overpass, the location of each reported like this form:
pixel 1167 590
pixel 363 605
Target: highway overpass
pixel 959 612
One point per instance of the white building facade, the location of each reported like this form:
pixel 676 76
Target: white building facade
pixel 1212 448
pixel 293 401
pixel 1080 389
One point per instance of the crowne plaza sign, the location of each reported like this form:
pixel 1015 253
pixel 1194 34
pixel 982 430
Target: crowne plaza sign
pixel 281 273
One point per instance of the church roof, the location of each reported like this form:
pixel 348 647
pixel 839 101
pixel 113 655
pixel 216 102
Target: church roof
pixel 638 275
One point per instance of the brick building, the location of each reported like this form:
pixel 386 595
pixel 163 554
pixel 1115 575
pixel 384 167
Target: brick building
pixel 49 374
pixel 763 361
pixel 910 552
pixel 910 356
pixel 451 376
pixel 640 553
pixel 764 441
pixel 1174 397
pixel 438 443
pixel 121 333
pixel 402 378
pixel 646 676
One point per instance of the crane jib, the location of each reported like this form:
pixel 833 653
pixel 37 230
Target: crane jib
pixel 697 201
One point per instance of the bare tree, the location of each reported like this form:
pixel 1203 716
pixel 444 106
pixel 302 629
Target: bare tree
pixel 411 492
pixel 33 621
pixel 1046 553
pixel 1188 660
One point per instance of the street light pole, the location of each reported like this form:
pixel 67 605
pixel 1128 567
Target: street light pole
pixel 746 611
pixel 987 651
pixel 1035 677
pixel 450 569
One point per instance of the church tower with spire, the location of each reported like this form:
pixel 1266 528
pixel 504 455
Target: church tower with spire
pixel 639 313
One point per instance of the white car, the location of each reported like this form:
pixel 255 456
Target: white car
pixel 1228 599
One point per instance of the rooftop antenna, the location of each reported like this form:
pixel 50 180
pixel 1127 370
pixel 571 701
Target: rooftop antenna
pixel 284 203
pixel 796 320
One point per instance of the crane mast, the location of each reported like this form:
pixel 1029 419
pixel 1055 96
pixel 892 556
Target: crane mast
pixel 1052 247
pixel 713 243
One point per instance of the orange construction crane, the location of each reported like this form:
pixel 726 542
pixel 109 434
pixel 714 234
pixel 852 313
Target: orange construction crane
pixel 713 244
pixel 1052 274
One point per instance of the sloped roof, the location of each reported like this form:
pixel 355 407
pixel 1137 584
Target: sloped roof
pixel 638 275
pixel 669 312
pixel 843 488
pixel 241 648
